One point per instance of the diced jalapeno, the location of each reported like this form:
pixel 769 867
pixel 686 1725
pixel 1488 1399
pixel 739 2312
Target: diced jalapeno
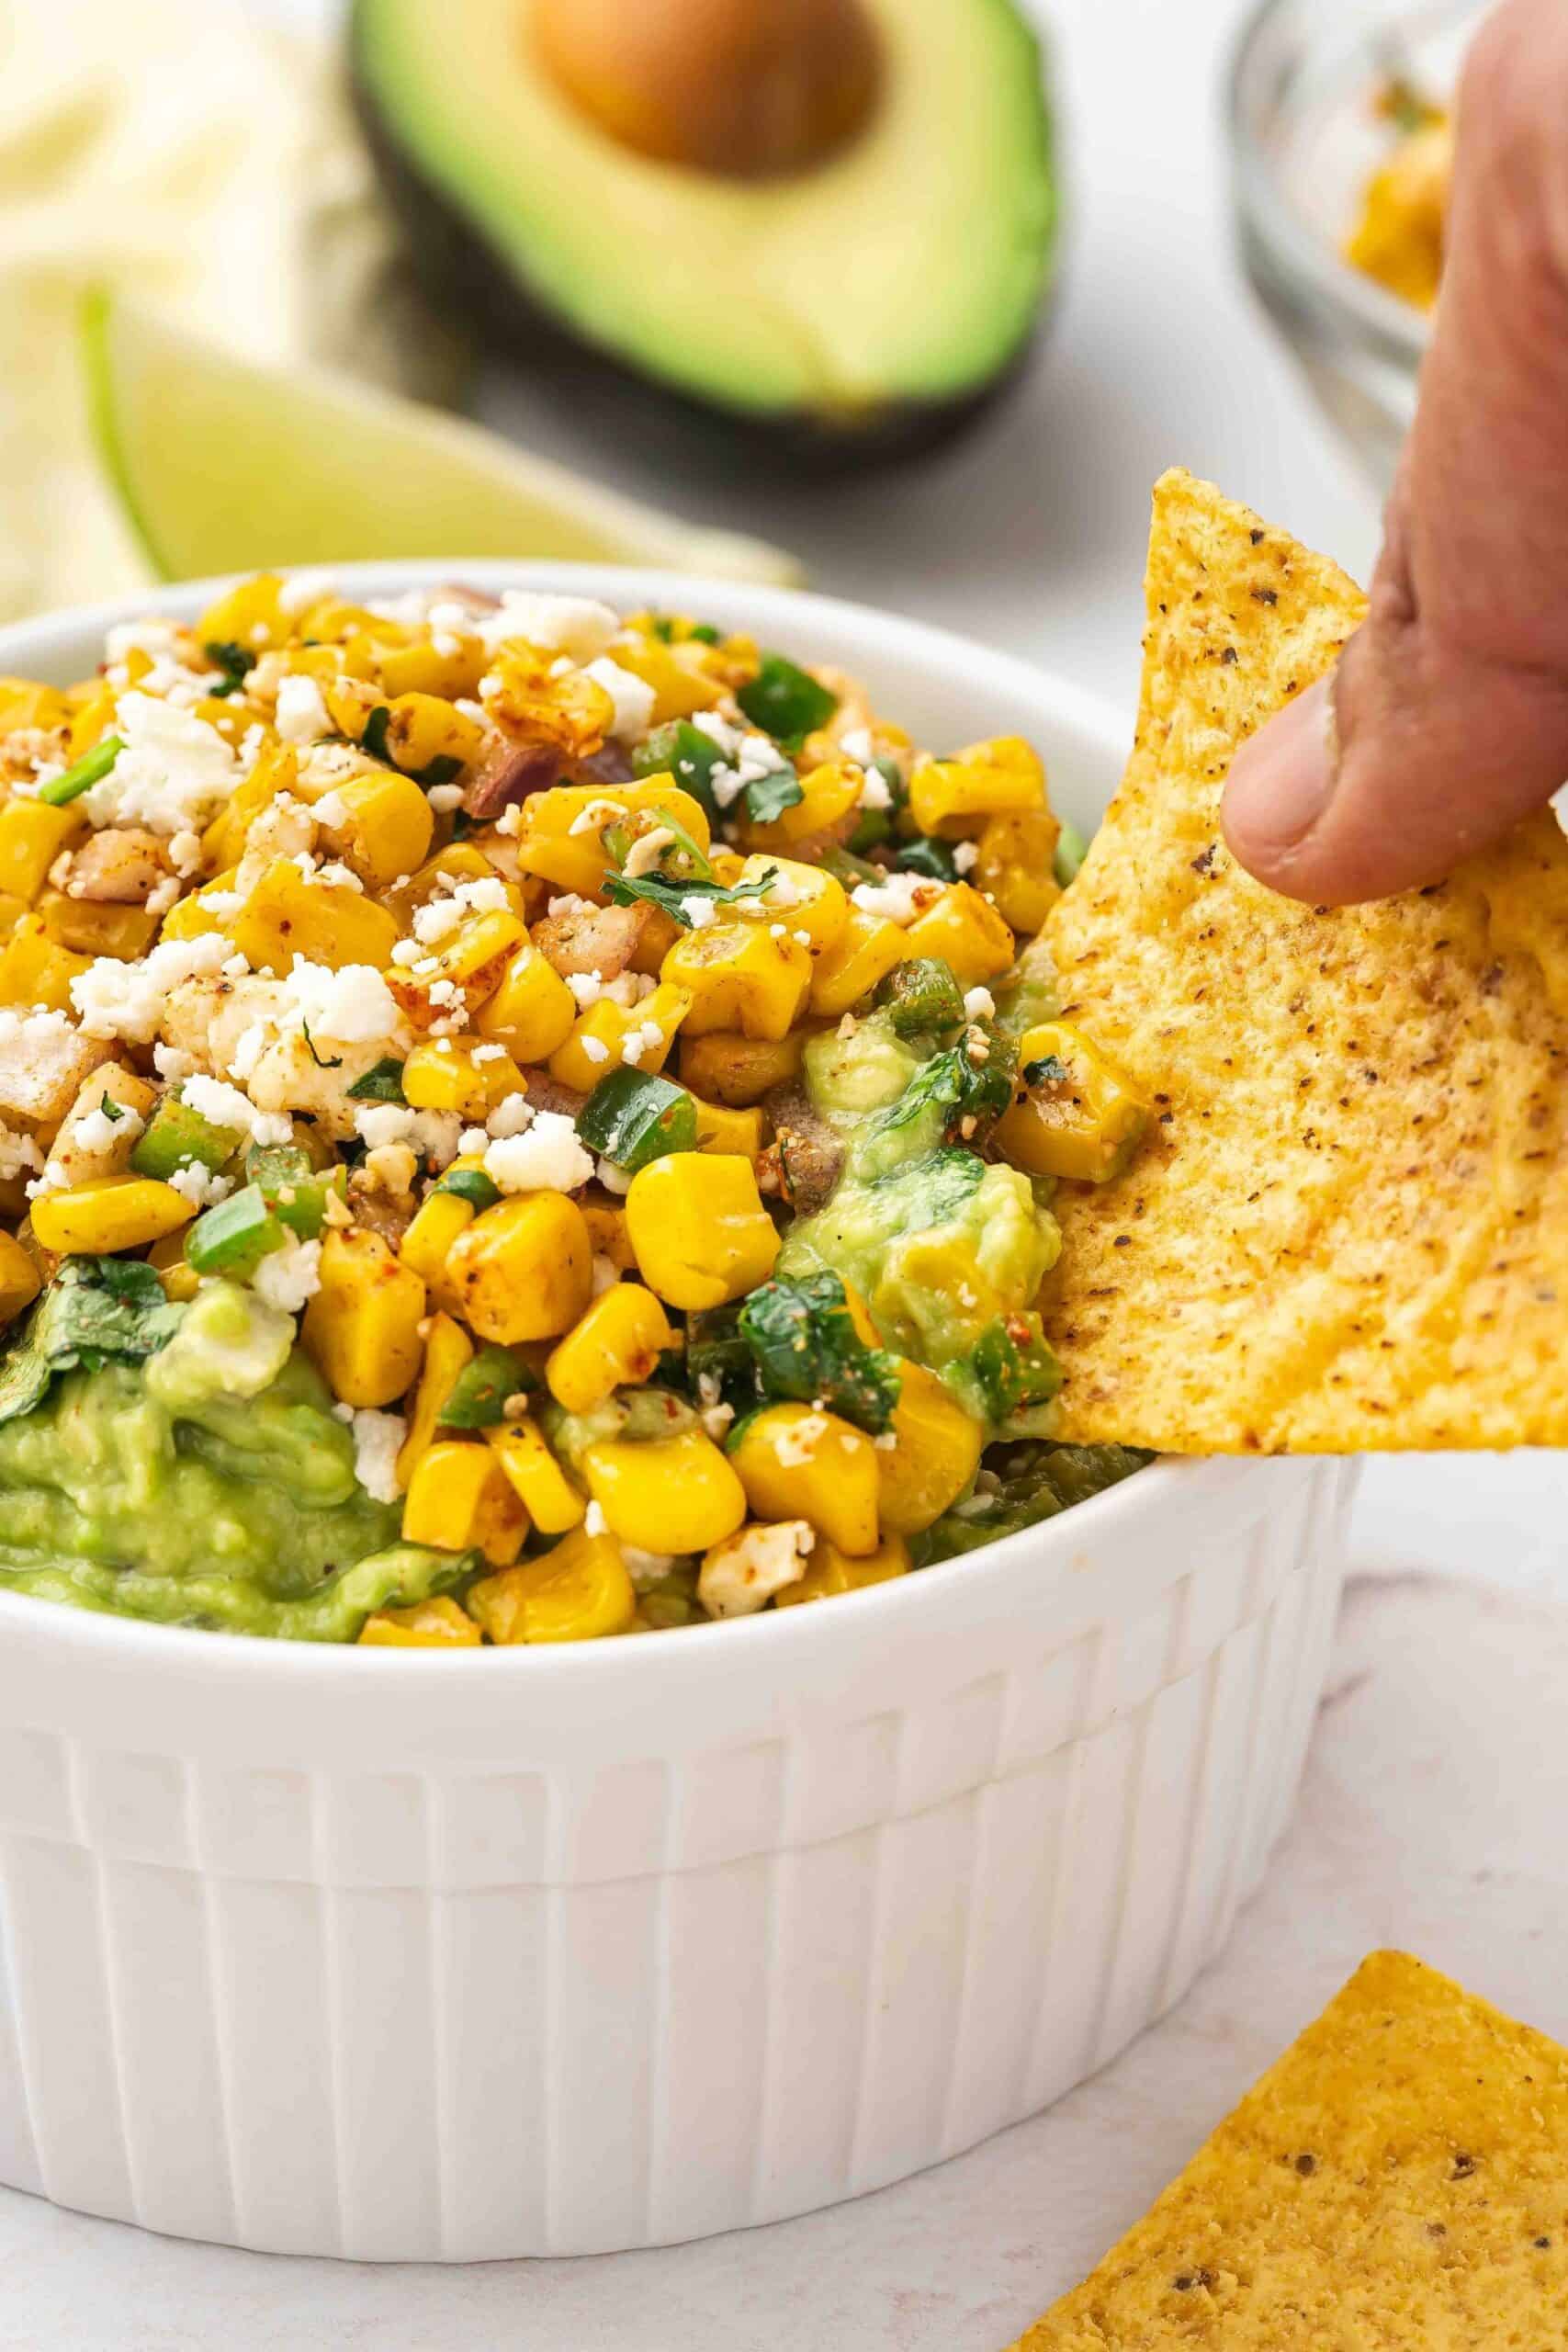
pixel 470 1184
pixel 176 1137
pixel 920 994
pixel 294 1191
pixel 785 702
pixel 682 751
pixel 89 770
pixel 875 825
pixel 633 1116
pixel 1014 1366
pixel 234 1238
pixel 480 1390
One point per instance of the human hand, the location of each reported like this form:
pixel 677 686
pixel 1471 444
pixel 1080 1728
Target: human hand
pixel 1446 720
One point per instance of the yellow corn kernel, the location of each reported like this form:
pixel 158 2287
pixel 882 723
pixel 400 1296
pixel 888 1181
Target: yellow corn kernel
pixel 864 953
pixel 680 687
pixel 248 615
pixel 1014 866
pixel 285 916
pixel 362 1326
pixel 531 1010
pixel 699 1228
pixel 953 798
pixel 112 1213
pixel 277 770
pixel 20 1280
pixel 384 829
pixel 606 1223
pixel 797 1463
pixel 724 1129
pixel 35 970
pixel 351 704
pixel 447 1348
pixel 97 926
pixel 658 936
pixel 421 727
pixel 965 932
pixel 1080 1115
pixel 466 1074
pixel 420 667
pixel 615 1345
pixel 181 1282
pixel 736 1070
pixel 935 1454
pixel 739 977
pixel 804 897
pixel 437 1624
pixel 828 795
pixel 25 704
pixel 32 836
pixel 830 1571
pixel 458 1500
pixel 548 1495
pixel 458 862
pixel 11 912
pixel 598 1041
pixel 470 960
pixel 190 918
pixel 524 1269
pixel 667 1494
pixel 578 1591
pixel 571 714
pixel 427 1243
pixel 90 723
pixel 576 860
pixel 860 1316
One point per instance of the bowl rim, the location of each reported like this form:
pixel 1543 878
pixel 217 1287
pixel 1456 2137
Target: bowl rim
pixel 1397 332
pixel 1153 1492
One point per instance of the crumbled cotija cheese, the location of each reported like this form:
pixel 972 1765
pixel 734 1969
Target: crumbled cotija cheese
pixel 898 898
pixel 379 1439
pixel 546 1157
pixel 302 715
pixel 290 1277
pixel 173 774
pixel 115 1000
pixel 574 624
pixel 212 1099
pixel 632 698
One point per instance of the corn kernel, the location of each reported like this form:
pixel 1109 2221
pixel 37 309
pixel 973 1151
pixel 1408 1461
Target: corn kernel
pixel 32 836
pixel 699 1228
pixel 668 1494
pixel 1014 866
pixel 427 1242
pixel 829 795
pixel 680 687
pixel 549 845
pixel 460 1500
pixel 722 1129
pixel 384 829
pixel 109 1213
pixel 362 1326
pixel 437 1624
pixel 458 862
pixel 180 1279
pixel 615 1345
pixel 247 615
pixel 935 1454
pixel 277 771
pixel 953 798
pixel 598 1042
pixel 34 969
pixel 531 1010
pixel 578 1591
pixel 1080 1116
pixel 20 1280
pixel 804 897
pixel 739 977
pixel 421 727
pixel 523 1269
pixel 738 1071
pixel 546 1493
pixel 447 1349
pixel 965 932
pixel 97 926
pixel 466 965
pixel 830 1571
pixel 797 1463
pixel 285 916
pixel 572 714
pixel 606 1223
pixel 445 1074
pixel 864 953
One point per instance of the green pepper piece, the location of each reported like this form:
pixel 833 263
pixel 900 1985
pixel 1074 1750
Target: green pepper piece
pixel 234 1238
pixel 480 1391
pixel 682 751
pixel 176 1137
pixel 1014 1366
pixel 470 1184
pixel 633 1116
pixel 294 1189
pixel 920 995
pixel 785 702
pixel 89 770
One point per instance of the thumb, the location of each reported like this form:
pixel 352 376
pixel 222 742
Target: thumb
pixel 1446 720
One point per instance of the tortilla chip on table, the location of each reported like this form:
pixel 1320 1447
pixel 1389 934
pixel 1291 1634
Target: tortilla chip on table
pixel 1399 2178
pixel 1347 1228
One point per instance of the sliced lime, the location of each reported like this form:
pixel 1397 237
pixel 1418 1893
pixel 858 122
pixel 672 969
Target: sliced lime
pixel 222 465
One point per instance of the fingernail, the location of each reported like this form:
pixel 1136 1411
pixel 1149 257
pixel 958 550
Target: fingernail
pixel 1282 780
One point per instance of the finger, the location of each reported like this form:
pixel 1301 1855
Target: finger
pixel 1447 718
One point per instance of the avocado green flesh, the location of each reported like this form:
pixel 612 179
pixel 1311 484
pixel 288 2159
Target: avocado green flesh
pixel 242 1513
pixel 770 298
pixel 938 1243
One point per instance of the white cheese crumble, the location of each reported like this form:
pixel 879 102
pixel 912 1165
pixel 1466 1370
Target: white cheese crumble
pixel 379 1439
pixel 645 1039
pixel 874 792
pixel 440 916
pixel 303 589
pixel 97 1132
pixel 576 625
pixel 858 743
pixel 613 1179
pixel 980 1004
pixel 594 1521
pixel 432 1134
pixel 19 1155
pixel 633 699
pixel 301 714
pixel 1558 804
pixel 965 856
pixel 699 911
pixel 604 1275
pixel 546 1157
pixel 511 1116
pixel 214 1099
pixel 288 1278
pixel 200 1185
pixel 354 1005
pixel 173 774
pixel 740 1575
pixel 594 1049
pixel 898 898
pixel 115 1000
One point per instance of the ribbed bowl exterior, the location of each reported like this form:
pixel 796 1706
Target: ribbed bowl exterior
pixel 444 1963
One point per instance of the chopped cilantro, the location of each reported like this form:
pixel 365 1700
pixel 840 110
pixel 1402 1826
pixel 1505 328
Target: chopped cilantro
pixel 236 662
pixel 113 1112
pixel 785 702
pixel 805 1346
pixel 383 1082
pixel 322 1061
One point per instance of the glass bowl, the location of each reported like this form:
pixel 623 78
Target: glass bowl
pixel 1304 139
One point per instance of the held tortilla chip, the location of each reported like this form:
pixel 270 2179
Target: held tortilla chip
pixel 1400 2177
pixel 1347 1229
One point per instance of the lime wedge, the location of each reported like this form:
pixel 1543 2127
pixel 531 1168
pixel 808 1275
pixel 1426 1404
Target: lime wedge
pixel 223 465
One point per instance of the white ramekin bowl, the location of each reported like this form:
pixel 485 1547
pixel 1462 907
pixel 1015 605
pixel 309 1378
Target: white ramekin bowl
pixel 402 1956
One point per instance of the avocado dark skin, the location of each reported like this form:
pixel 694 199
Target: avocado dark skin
pixel 462 277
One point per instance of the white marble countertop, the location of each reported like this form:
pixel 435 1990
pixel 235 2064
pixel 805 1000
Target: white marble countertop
pixel 1436 1788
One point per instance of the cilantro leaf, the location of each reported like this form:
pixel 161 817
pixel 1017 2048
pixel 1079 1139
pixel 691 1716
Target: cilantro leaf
pixel 97 1311
pixel 236 662
pixel 382 1082
pixel 805 1346
pixel 768 797
pixel 623 889
pixel 785 702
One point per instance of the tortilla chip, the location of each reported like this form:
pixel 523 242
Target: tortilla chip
pixel 1349 1228
pixel 1399 2177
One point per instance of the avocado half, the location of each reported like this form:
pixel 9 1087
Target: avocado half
pixel 868 306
